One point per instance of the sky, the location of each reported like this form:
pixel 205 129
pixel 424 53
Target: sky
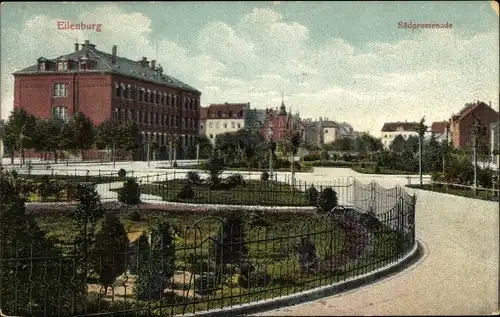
pixel 347 61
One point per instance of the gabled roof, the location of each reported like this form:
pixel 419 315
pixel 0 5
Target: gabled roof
pixel 123 67
pixel 405 126
pixel 226 110
pixel 467 109
pixel 438 127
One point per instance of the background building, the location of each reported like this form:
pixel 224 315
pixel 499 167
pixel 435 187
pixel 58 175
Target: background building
pixel 461 123
pixel 392 129
pixel 104 86
pixel 221 118
pixel 281 122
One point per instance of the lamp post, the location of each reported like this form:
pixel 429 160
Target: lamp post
pixel 270 133
pixel 422 129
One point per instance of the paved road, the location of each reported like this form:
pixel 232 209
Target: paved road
pixel 458 274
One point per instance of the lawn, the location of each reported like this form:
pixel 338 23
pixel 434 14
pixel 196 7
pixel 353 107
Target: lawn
pixel 271 250
pixel 371 170
pixel 482 193
pixel 254 192
pixel 57 187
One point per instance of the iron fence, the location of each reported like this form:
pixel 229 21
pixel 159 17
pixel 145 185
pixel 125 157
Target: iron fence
pixel 159 263
pixel 458 189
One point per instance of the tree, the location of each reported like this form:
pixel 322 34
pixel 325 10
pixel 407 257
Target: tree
pixel 398 144
pixel 18 131
pixel 214 166
pixel 411 143
pixel 159 267
pixel 205 146
pixel 478 132
pixel 291 146
pixel 43 282
pixel 108 252
pixel 432 155
pixel 229 246
pixel 123 136
pixel 343 144
pixel 53 135
pixel 83 132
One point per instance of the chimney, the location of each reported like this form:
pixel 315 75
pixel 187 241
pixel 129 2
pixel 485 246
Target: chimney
pixel 153 64
pixel 113 54
pixel 490 104
pixel 144 62
pixel 77 47
pixel 86 48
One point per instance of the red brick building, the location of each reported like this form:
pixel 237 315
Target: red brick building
pixel 281 123
pixel 104 86
pixel 461 123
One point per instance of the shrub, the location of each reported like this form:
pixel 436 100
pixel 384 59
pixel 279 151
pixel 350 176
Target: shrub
pixel 235 180
pixel 122 173
pixel 369 220
pixel 130 193
pixel 327 200
pixel 306 253
pixel 485 177
pixel 193 178
pixel 258 219
pixel 206 283
pixel 312 157
pixel 111 243
pixel 135 215
pixel 324 155
pixel 138 253
pixel 312 196
pixel 186 192
pixel 377 169
pixel 363 165
pixel 264 176
pixel 254 279
pixel 214 167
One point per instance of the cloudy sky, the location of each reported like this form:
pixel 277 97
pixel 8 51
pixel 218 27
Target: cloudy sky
pixel 348 61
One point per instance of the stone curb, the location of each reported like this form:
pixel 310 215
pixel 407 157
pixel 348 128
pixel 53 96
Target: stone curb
pixel 320 292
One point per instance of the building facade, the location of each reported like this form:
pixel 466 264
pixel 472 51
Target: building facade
pixel 462 122
pixel 106 86
pixel 392 129
pixel 217 119
pixel 440 130
pixel 279 124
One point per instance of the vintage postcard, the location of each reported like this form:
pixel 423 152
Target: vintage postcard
pixel 263 158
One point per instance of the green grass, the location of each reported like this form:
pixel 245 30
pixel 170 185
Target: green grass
pixel 481 194
pixel 304 168
pixel 271 249
pixel 73 178
pixel 255 192
pixel 386 171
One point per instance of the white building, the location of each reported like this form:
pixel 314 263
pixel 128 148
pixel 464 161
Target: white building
pixel 221 118
pixel 392 129
pixel 440 130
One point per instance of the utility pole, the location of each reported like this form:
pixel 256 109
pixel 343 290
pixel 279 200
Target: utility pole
pixel 422 128
pixel 198 155
pixel 149 150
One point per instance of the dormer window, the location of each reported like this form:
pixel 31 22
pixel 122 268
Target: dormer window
pixel 42 66
pixel 62 65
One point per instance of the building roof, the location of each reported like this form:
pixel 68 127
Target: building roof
pixel 203 113
pixel 123 66
pixel 226 110
pixel 438 127
pixel 405 126
pixel 467 109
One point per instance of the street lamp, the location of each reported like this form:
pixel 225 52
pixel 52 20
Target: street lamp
pixel 270 133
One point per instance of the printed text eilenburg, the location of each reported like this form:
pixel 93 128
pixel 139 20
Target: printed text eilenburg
pixel 64 25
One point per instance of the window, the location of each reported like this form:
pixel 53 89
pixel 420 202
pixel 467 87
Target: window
pixel 210 124
pixel 177 121
pixel 171 121
pixel 211 136
pixel 83 65
pixel 129 92
pixel 148 96
pixel 150 118
pixel 225 125
pixel 232 125
pixel 41 66
pixel 326 131
pixel 201 126
pixel 183 123
pixel 157 119
pixel 138 117
pixel 239 125
pixel 141 94
pixel 60 112
pixel 158 98
pixel 60 90
pixel 63 65
pixel 217 125
pixel 117 90
pixel 219 114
